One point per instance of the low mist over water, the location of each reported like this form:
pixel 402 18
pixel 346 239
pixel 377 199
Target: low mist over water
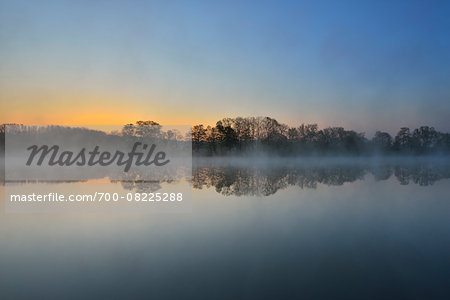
pixel 264 176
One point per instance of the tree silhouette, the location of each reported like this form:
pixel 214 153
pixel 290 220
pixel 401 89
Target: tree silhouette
pixel 382 142
pixel 266 135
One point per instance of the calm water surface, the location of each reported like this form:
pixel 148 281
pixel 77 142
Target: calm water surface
pixel 305 232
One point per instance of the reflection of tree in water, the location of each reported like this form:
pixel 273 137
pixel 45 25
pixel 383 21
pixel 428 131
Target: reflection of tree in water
pixel 141 186
pixel 267 181
pixel 239 181
pixel 233 181
pixel 421 174
pixel 132 181
pixel 381 172
pixel 256 181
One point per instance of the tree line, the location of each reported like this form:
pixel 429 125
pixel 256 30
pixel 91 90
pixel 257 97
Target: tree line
pixel 267 135
pixel 249 135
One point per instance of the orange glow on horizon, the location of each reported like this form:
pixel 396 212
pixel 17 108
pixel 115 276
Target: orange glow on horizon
pixel 69 109
pixel 109 116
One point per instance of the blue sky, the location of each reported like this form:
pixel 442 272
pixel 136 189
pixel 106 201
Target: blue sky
pixel 365 65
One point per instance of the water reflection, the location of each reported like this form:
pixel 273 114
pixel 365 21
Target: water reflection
pixel 264 181
pixel 254 181
pixel 141 186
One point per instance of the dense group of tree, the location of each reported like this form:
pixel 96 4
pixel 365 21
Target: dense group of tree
pixel 235 136
pixel 266 135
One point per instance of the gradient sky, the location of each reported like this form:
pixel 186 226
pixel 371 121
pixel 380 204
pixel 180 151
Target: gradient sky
pixel 364 65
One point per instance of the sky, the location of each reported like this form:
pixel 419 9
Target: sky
pixel 364 65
